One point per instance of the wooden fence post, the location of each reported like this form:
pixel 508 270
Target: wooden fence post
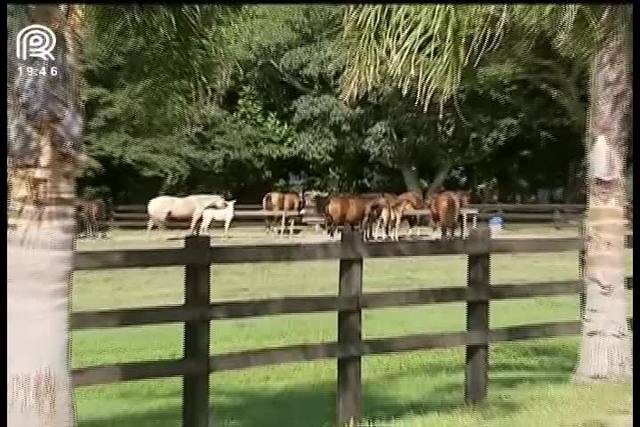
pixel 195 387
pixel 349 398
pixel 477 355
pixel 581 264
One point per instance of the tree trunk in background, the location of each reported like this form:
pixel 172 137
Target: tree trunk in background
pixel 572 182
pixel 45 156
pixel 606 348
pixel 440 177
pixel 411 178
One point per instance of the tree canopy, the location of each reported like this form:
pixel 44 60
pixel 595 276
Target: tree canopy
pixel 250 98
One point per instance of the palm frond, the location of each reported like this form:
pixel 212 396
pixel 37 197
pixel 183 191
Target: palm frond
pixel 426 48
pixel 422 48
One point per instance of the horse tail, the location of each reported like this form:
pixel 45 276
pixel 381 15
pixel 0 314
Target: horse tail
pixel 108 209
pixel 266 202
pixel 323 205
pixel 451 211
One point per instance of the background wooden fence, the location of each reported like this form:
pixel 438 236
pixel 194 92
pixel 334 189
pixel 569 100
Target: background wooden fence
pixel 197 312
pixel 134 216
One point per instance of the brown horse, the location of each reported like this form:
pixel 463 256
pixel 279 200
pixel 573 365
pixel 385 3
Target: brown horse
pixel 464 196
pixel 345 210
pixel 445 210
pixel 92 217
pixel 284 202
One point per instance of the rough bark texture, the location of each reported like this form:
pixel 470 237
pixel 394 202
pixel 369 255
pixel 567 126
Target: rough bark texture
pixel 606 348
pixel 439 179
pixel 411 178
pixel 39 267
pixel 44 158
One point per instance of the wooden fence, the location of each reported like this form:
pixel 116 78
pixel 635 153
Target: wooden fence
pixel 134 216
pixel 197 312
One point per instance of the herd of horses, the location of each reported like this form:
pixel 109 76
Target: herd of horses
pixel 376 215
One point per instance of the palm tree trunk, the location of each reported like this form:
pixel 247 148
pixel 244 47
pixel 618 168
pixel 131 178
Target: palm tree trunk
pixel 45 156
pixel 39 267
pixel 606 351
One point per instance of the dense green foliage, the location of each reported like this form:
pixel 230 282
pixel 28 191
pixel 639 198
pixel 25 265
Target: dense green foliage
pixel 247 99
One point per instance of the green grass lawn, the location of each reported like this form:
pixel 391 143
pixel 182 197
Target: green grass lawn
pixel 529 380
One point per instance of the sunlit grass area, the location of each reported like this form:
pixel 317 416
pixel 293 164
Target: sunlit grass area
pixel 529 380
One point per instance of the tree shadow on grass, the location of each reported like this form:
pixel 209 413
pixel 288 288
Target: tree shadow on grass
pixel 544 356
pixel 314 405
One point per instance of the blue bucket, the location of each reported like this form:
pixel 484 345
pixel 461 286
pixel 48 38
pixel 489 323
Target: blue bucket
pixel 496 220
pixel 495 224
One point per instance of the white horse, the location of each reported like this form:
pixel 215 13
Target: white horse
pixel 224 214
pixel 163 208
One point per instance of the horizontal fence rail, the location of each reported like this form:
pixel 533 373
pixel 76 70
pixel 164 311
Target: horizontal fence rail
pixel 140 258
pixel 310 352
pixel 135 216
pixel 198 313
pixel 315 304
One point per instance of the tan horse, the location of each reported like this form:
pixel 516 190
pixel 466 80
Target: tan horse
pixel 377 216
pixel 375 221
pixel 415 202
pixel 394 215
pixel 284 202
pixel 170 208
pixel 385 219
pixel 378 204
